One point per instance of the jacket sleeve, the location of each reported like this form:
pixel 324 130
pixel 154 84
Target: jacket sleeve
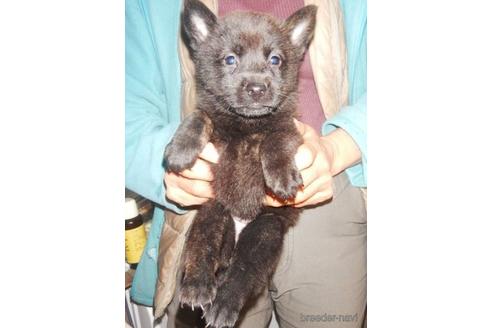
pixel 148 127
pixel 152 85
pixel 352 118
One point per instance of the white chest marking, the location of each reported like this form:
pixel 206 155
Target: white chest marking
pixel 239 225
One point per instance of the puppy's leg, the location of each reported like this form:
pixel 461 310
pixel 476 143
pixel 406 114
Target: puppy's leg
pixel 188 142
pixel 202 255
pixel 252 264
pixel 228 244
pixel 277 161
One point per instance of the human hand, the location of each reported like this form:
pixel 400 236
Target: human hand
pixel 314 161
pixel 193 186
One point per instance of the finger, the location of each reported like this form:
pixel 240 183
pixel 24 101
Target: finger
pixel 310 195
pixel 209 153
pixel 201 170
pixel 304 157
pixel 183 198
pixel 308 175
pixel 320 184
pixel 316 199
pixel 306 193
pixel 270 201
pixel 301 127
pixel 197 188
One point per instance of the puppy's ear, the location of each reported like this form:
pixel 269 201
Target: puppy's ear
pixel 300 27
pixel 197 21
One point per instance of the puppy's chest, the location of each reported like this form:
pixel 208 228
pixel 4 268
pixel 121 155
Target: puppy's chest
pixel 239 183
pixel 240 158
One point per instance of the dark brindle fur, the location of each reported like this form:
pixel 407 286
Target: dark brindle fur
pixel 246 110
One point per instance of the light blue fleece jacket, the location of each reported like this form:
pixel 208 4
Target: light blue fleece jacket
pixel 153 87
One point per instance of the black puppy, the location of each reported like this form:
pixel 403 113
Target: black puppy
pixel 247 77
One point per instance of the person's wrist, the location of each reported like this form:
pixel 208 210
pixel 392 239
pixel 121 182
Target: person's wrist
pixel 344 150
pixel 330 148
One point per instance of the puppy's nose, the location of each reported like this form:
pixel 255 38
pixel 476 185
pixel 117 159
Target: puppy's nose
pixel 256 90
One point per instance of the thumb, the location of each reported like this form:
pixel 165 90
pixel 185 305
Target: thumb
pixel 304 157
pixel 301 127
pixel 209 153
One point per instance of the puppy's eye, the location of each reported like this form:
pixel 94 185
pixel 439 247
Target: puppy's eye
pixel 230 60
pixel 275 60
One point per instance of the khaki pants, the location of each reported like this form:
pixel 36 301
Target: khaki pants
pixel 321 277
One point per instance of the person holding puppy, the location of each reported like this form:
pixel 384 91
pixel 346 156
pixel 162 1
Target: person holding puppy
pixel 322 271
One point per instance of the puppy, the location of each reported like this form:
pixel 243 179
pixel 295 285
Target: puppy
pixel 246 77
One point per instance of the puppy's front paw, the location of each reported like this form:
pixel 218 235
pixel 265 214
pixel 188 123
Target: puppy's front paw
pixel 284 181
pixel 178 157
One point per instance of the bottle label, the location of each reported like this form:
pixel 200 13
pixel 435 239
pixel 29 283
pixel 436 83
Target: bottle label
pixel 135 240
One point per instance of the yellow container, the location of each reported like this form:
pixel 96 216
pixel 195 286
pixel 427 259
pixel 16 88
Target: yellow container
pixel 135 237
